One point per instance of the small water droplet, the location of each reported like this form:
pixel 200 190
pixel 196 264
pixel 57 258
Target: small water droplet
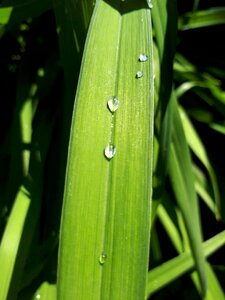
pixel 150 5
pixel 139 74
pixel 110 151
pixel 113 104
pixel 143 57
pixel 38 296
pixel 102 258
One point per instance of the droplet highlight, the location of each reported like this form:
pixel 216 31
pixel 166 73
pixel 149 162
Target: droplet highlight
pixel 102 258
pixel 38 296
pixel 110 151
pixel 139 74
pixel 150 5
pixel 143 57
pixel 113 104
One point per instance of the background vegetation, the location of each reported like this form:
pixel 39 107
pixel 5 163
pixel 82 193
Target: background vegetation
pixel 41 47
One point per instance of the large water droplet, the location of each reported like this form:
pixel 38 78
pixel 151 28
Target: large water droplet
pixel 143 57
pixel 110 151
pixel 113 104
pixel 139 74
pixel 102 258
pixel 150 3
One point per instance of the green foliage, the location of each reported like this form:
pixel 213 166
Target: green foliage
pixel 103 248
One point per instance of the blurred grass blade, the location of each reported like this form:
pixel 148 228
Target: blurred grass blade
pixel 169 271
pixel 182 180
pixel 13 12
pixel 214 290
pixel 5 14
pixel 218 127
pixel 203 18
pixel 107 202
pixel 11 240
pixel 46 291
pixel 202 188
pixel 196 4
pixel 199 150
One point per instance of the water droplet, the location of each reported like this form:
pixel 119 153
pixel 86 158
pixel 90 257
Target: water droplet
pixel 150 5
pixel 113 104
pixel 110 151
pixel 102 258
pixel 143 57
pixel 38 296
pixel 139 74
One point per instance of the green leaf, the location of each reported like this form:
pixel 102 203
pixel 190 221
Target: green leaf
pixel 11 240
pixel 199 150
pixel 203 18
pixel 46 291
pixel 164 17
pixel 182 180
pixel 174 268
pixel 104 241
pixel 13 12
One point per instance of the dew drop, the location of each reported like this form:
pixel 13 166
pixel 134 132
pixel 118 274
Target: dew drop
pixel 110 151
pixel 113 104
pixel 150 5
pixel 139 74
pixel 143 57
pixel 102 258
pixel 38 296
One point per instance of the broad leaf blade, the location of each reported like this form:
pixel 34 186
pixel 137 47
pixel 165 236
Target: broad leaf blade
pixel 105 223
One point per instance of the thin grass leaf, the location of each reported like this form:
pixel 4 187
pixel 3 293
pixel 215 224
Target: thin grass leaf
pixel 202 188
pixel 174 268
pixel 170 228
pixel 218 127
pixel 202 18
pixel 104 241
pixel 215 290
pixel 11 240
pixel 199 150
pixel 46 291
pixel 196 5
pixel 164 16
pixel 182 180
pixel 13 12
pixel 211 91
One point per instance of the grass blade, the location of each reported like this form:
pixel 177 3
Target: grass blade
pixel 164 16
pixel 46 292
pixel 165 273
pixel 13 12
pixel 107 203
pixel 203 18
pixel 182 179
pixel 11 240
pixel 199 150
